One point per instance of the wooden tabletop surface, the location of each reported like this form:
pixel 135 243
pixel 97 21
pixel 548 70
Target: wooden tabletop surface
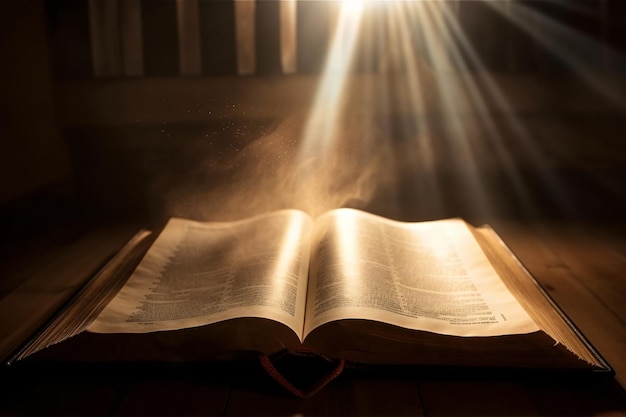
pixel 205 160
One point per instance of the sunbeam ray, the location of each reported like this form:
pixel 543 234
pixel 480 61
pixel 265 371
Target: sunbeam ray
pixel 445 57
pixel 405 61
pixel 407 108
pixel 506 160
pixel 321 124
pixel 573 49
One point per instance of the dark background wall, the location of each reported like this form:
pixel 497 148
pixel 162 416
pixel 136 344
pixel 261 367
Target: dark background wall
pixel 67 132
pixel 33 153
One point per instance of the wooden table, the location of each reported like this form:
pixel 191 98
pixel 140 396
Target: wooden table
pixel 582 267
pixel 122 135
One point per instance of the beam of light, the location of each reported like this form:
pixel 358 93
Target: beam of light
pixel 572 48
pixel 317 158
pixel 451 53
pixel 494 135
pixel 322 122
pixel 424 71
pixel 445 56
pixel 352 7
pixel 401 20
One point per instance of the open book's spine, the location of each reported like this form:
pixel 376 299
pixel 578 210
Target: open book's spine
pixel 82 308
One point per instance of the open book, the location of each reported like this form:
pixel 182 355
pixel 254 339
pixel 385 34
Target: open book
pixel 348 285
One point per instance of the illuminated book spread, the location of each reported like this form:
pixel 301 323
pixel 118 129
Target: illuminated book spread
pixel 347 285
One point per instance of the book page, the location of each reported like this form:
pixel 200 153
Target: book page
pixel 430 276
pixel 201 273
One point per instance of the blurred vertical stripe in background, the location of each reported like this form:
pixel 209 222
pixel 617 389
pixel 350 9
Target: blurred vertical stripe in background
pixel 130 38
